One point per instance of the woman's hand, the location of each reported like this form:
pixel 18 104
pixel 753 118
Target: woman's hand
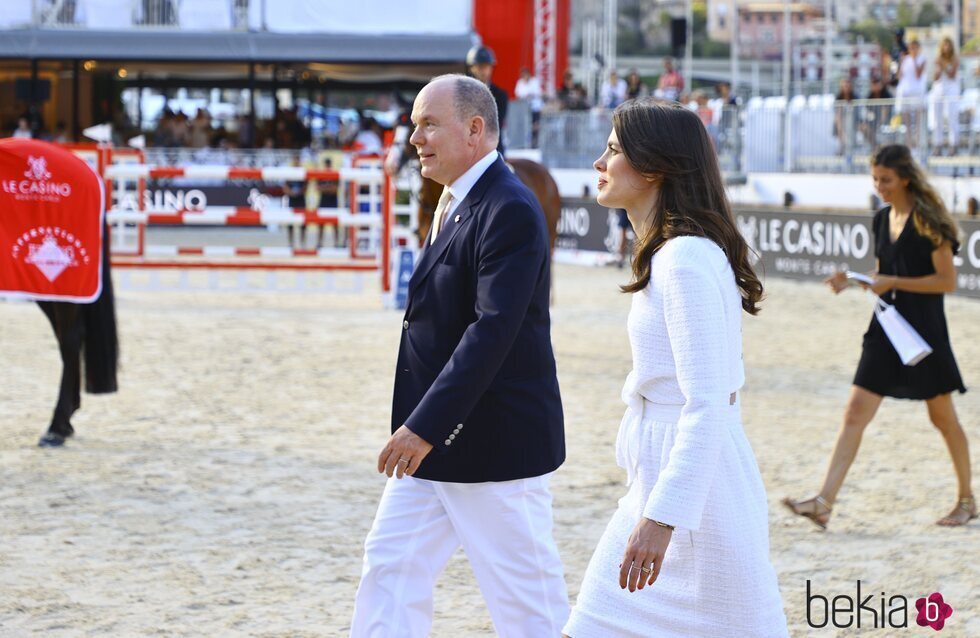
pixel 837 282
pixel 644 555
pixel 882 283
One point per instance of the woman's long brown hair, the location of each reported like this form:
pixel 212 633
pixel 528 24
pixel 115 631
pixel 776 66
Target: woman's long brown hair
pixel 929 214
pixel 666 141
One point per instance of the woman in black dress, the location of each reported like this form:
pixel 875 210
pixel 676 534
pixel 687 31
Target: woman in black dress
pixel 915 239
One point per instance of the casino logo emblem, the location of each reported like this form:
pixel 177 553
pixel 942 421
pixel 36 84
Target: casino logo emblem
pixel 51 250
pixel 38 186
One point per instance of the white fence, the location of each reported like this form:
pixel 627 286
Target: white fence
pixel 812 133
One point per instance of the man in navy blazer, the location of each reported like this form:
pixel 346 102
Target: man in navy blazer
pixel 477 426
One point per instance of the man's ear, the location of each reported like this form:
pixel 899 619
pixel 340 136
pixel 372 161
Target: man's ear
pixel 477 126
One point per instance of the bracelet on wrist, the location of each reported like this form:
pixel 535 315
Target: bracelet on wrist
pixel 670 527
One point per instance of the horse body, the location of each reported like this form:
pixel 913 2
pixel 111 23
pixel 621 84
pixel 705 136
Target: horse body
pixel 83 331
pixel 59 204
pixel 535 176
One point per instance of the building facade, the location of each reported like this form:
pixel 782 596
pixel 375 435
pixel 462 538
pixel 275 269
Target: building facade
pixel 760 30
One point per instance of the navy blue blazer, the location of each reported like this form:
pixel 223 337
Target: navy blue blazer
pixel 476 371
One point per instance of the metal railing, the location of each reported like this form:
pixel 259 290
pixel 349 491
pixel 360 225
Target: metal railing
pixel 247 157
pixel 212 15
pixel 814 133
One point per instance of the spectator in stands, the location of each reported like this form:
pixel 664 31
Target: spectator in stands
pixel 581 97
pixel 612 92
pixel 911 90
pixel 480 61
pixel 296 192
pixel 23 129
pixel 324 195
pixel 706 114
pixel 844 115
pixel 634 85
pixel 893 57
pixel 671 83
pixel 874 116
pixel 724 92
pixel 571 96
pixel 60 135
pixel 368 139
pixel 298 131
pixel 200 129
pixel 164 134
pixel 946 96
pixel 179 127
pixel 566 92
pixel 529 88
pixel 243 128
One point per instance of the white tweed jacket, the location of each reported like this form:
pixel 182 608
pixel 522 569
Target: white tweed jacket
pixel 685 332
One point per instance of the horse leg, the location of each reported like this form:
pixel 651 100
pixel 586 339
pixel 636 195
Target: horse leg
pixel 66 321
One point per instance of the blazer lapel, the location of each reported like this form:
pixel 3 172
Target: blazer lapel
pixel 465 209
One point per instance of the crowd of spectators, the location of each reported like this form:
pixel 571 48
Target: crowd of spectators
pixel 921 96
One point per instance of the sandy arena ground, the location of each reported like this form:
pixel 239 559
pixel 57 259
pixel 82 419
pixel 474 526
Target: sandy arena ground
pixel 227 489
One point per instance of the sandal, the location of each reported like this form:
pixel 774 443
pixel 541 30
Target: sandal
pixel 817 509
pixel 964 512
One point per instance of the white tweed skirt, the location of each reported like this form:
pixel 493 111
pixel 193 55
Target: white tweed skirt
pixel 715 582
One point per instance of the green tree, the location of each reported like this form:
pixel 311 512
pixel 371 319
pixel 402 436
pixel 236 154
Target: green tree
pixel 629 38
pixel 905 16
pixel 873 31
pixel 929 15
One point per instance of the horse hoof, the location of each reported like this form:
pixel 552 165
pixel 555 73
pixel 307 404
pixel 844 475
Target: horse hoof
pixel 51 439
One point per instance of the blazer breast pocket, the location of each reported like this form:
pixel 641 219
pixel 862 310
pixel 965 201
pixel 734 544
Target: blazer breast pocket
pixel 448 271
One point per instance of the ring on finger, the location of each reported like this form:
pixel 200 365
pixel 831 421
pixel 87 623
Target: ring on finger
pixel 403 460
pixel 646 570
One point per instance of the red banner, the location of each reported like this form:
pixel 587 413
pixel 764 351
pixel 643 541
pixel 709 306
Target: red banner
pixel 51 210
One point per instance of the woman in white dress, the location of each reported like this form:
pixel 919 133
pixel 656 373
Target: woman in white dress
pixel 946 93
pixel 687 552
pixel 911 91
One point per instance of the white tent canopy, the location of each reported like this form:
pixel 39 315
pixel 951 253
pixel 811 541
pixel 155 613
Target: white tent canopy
pixel 359 17
pixel 446 17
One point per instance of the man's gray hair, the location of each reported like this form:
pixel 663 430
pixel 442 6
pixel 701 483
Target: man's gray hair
pixel 472 97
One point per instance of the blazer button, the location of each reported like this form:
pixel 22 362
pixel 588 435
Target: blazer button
pixel 452 437
pixel 405 324
pixel 459 425
pixel 448 442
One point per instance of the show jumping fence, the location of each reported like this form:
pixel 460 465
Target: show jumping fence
pixel 365 212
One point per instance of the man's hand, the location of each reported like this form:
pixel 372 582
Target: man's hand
pixel 403 453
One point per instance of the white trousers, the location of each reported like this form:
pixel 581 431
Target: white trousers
pixel 505 529
pixel 946 105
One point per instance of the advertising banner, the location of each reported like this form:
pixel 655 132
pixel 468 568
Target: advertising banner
pixel 584 225
pixel 814 245
pixel 790 244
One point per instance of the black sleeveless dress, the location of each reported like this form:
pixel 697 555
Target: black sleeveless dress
pixel 880 370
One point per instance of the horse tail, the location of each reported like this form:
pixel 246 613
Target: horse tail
pixel 101 345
